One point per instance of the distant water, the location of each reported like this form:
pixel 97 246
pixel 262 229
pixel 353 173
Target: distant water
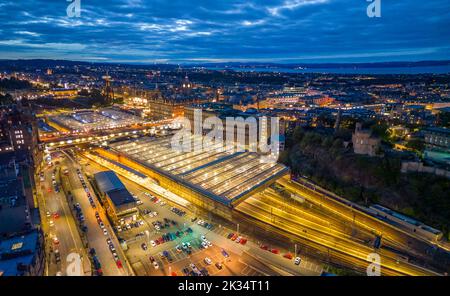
pixel 374 71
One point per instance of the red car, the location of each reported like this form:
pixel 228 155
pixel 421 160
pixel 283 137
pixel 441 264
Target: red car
pixel 243 241
pixel 173 273
pixel 234 237
pixel 288 256
pixel 275 251
pixel 264 247
pixel 55 215
pixel 119 264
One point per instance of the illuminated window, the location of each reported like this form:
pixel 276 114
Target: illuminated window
pixel 16 246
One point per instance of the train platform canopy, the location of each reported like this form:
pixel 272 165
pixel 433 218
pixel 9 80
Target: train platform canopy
pixel 222 174
pixel 89 120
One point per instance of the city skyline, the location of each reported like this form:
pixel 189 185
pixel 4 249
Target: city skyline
pixel 300 31
pixel 242 139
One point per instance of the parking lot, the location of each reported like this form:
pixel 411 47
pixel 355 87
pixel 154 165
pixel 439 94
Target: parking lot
pixel 181 262
pixel 174 242
pixel 163 232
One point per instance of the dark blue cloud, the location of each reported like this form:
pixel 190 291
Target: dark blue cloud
pixel 226 30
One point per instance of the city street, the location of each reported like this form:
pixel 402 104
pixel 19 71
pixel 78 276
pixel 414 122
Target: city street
pixel 63 232
pixel 95 236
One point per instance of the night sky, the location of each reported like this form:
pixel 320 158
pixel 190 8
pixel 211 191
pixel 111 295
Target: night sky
pixel 147 31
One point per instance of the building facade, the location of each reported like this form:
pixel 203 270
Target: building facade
pixel 364 142
pixel 118 202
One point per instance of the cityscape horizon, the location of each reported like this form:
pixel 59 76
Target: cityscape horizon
pixel 225 146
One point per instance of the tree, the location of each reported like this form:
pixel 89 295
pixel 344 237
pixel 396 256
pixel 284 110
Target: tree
pixel 298 134
pixel 444 119
pixel 284 157
pixel 6 99
pixel 84 92
pixel 14 83
pixel 415 144
pixel 380 129
pixel 98 98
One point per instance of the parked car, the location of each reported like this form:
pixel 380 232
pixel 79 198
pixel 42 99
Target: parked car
pixel 288 256
pixel 204 272
pixel 119 264
pixel 224 253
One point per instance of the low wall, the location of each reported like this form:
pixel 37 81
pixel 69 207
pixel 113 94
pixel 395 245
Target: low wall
pixel 419 167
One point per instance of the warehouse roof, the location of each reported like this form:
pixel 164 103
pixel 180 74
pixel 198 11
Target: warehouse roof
pixel 110 184
pixel 120 197
pixel 107 181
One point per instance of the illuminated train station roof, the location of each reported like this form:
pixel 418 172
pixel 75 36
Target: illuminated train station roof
pixel 88 120
pixel 222 175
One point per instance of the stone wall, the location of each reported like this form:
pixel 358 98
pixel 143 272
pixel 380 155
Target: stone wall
pixel 419 167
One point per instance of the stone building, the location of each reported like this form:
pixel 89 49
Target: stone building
pixel 364 142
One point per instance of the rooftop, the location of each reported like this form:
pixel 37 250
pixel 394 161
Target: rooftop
pixel 87 120
pixel 110 184
pixel 121 197
pixel 220 173
pixel 441 130
pixel 108 180
pixel 18 250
